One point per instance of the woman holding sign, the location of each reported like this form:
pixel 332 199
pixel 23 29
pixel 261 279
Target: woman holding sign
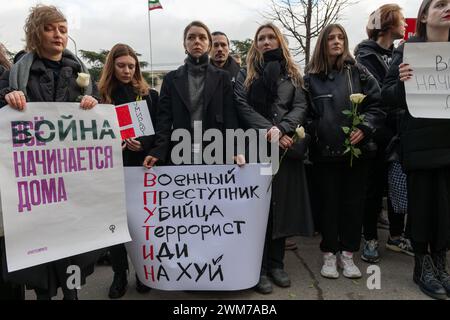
pixel 49 73
pixel 269 96
pixel 122 82
pixel 426 159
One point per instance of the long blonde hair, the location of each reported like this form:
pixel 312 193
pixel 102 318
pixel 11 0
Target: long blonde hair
pixel 255 58
pixel 108 81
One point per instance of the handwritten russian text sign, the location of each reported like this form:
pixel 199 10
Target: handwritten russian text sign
pixel 428 92
pixel 197 227
pixel 62 182
pixel 134 120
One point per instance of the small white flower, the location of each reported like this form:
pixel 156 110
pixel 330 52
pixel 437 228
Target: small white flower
pixel 357 98
pixel 83 80
pixel 300 132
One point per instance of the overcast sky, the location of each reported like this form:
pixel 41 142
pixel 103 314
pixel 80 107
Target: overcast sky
pixel 99 24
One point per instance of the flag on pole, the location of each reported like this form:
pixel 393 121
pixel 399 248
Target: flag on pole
pixel 154 4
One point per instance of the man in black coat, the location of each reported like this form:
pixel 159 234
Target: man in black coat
pixel 220 55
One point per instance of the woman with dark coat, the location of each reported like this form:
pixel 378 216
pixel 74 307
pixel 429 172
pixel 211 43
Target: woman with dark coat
pixel 122 82
pixel 331 77
pixel 48 73
pixel 425 155
pixel 195 92
pixel 269 96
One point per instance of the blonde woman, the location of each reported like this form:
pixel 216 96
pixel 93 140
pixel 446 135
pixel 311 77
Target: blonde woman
pixel 269 96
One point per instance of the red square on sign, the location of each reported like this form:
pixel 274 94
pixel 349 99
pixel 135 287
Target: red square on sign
pixel 123 115
pixel 411 28
pixel 128 133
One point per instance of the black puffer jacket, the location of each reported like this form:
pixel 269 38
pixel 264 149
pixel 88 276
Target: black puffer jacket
pixel 287 111
pixel 329 95
pixel 424 143
pixel 41 83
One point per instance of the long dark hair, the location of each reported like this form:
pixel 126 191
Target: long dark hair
pixel 421 28
pixel 320 61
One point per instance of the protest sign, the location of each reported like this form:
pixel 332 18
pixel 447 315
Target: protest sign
pixel 62 182
pixel 134 120
pixel 197 227
pixel 410 27
pixel 428 92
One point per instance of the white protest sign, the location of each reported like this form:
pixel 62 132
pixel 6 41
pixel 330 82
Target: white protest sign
pixel 428 92
pixel 134 120
pixel 197 227
pixel 61 182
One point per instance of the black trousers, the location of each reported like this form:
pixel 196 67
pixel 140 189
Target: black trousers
pixel 376 186
pixel 343 190
pixel 273 255
pixel 429 209
pixel 8 290
pixel 396 222
pixel 119 258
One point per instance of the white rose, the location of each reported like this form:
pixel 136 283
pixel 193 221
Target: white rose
pixel 83 80
pixel 300 132
pixel 357 98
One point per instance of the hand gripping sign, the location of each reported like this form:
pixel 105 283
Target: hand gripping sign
pixel 62 182
pixel 197 227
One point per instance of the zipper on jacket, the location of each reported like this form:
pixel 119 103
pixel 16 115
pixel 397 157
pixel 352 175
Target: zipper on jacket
pixel 323 96
pixel 350 80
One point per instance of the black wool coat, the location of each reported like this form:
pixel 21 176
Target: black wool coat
pixel 173 112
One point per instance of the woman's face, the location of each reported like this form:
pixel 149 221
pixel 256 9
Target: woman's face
pixel 266 40
pixel 54 39
pixel 124 68
pixel 196 42
pixel 336 43
pixel 438 14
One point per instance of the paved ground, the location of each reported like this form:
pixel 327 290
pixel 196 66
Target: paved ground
pixel 303 266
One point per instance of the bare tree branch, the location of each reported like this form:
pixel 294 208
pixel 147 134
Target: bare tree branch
pixel 303 20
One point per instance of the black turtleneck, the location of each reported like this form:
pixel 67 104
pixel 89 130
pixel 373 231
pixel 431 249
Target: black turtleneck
pixel 123 93
pixel 196 68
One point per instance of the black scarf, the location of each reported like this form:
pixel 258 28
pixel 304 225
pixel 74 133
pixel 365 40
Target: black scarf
pixel 263 91
pixel 123 93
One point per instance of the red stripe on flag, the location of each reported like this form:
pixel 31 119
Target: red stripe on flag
pixel 128 133
pixel 124 116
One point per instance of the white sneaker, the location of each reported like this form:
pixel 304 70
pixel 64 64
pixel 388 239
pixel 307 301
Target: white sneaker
pixel 329 268
pixel 346 263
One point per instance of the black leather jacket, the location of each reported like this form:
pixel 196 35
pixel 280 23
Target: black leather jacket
pixel 287 111
pixel 328 96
